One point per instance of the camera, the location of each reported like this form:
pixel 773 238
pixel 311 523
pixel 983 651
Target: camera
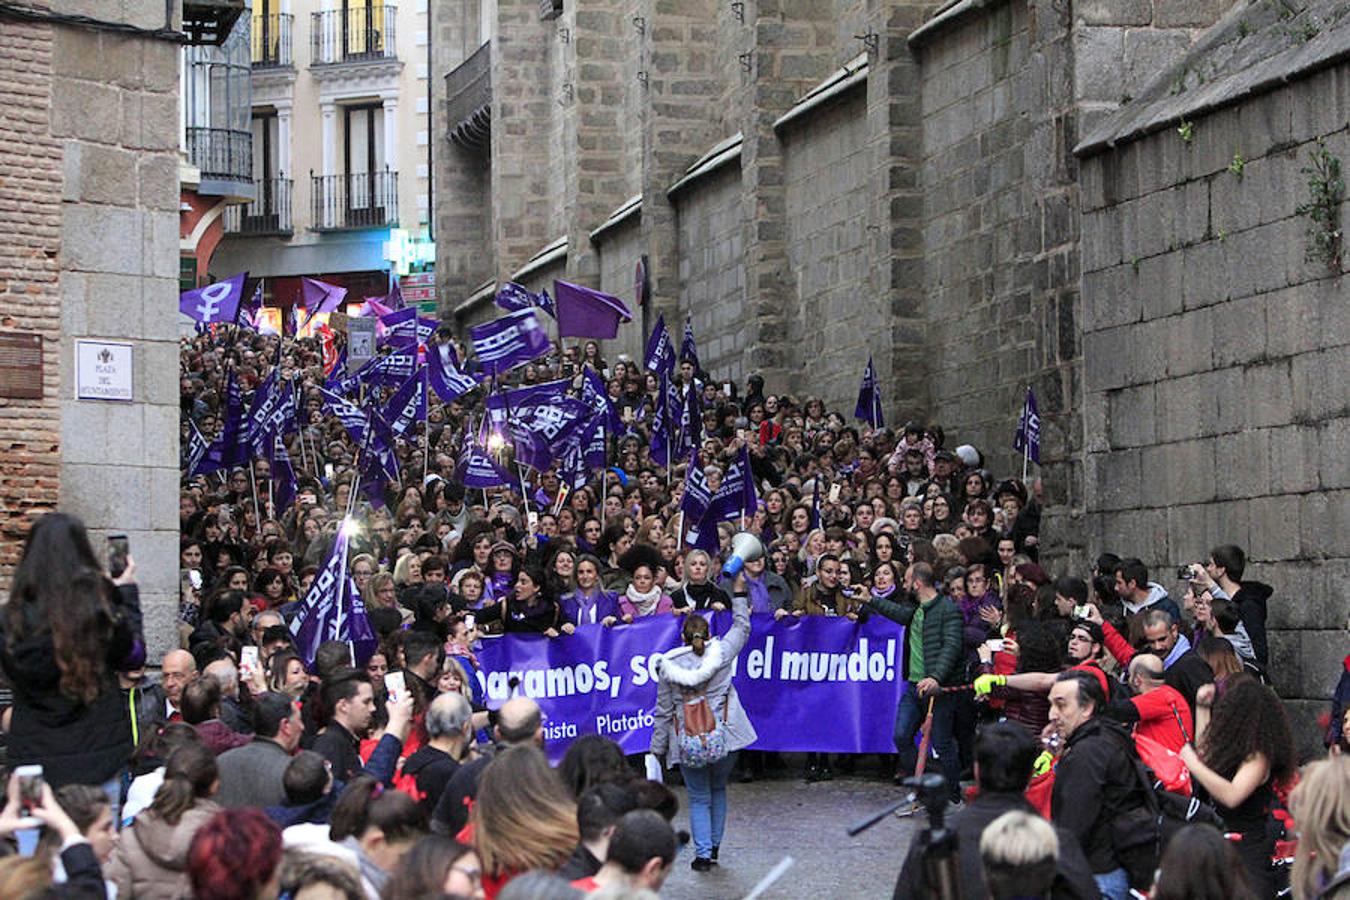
pixel 1185 573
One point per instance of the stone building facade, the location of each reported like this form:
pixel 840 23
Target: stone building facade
pixel 89 143
pixel 815 182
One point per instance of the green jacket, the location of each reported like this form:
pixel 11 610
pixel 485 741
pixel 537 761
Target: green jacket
pixel 942 640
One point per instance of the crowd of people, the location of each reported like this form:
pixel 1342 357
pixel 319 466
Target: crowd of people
pixel 248 770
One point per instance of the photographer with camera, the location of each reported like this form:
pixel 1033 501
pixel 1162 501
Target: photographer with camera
pixel 64 634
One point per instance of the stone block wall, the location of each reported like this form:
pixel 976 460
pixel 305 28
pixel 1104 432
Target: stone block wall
pixel 619 250
pixel 712 279
pixel 1216 358
pixel 837 321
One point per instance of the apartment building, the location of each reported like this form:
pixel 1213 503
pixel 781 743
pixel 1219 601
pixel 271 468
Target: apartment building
pixel 340 159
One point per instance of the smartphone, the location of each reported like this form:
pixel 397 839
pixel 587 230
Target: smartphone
pixel 30 787
pixel 328 471
pixel 1080 612
pixel 248 662
pixel 195 579
pixel 995 645
pixel 394 686
pixel 726 388
pixel 469 621
pixel 834 493
pixel 533 519
pixel 118 548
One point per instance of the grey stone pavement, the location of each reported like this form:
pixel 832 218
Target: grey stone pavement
pixel 767 820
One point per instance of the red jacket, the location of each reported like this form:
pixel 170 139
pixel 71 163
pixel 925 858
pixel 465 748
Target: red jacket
pixel 1158 710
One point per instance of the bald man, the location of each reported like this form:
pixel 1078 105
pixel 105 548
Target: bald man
pixel 177 671
pixel 1157 710
pixel 519 721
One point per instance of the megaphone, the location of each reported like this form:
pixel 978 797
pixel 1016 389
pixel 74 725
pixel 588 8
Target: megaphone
pixel 745 547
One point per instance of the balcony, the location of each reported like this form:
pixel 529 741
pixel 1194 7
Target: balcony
pixel 353 35
pixel 272 41
pixel 268 215
pixel 221 153
pixel 354 201
pixel 468 105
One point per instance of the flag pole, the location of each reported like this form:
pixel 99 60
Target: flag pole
pixel 253 488
pixel 426 412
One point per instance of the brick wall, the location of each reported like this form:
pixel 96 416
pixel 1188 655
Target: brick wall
pixel 30 218
pixel 1216 359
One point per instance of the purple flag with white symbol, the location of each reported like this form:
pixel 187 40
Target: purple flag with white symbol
pixel 583 312
pixel 594 395
pixel 478 470
pixel 214 303
pixel 510 341
pixel 333 610
pixel 230 447
pixel 660 354
pixel 444 376
pixel 513 297
pixel 408 406
pixel 688 349
pixel 697 497
pixel 868 408
pixel 1028 438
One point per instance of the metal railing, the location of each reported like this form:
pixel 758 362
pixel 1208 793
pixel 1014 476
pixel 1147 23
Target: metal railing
pixel 468 99
pixel 272 41
pixel 355 200
pixel 221 153
pixel 270 213
pixel 354 34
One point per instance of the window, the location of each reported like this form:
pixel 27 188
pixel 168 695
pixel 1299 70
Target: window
pixel 364 161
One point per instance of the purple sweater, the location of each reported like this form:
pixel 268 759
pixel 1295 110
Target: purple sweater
pixel 975 630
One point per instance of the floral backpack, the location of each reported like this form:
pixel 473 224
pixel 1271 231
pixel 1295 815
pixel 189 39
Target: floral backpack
pixel 703 738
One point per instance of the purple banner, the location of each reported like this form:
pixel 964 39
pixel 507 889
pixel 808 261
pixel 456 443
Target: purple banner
pixel 816 683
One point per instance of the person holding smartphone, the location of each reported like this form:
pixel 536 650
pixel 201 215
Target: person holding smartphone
pixel 65 633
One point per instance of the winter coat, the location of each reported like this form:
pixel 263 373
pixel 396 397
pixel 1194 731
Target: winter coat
pixel 150 862
pixel 74 742
pixel 605 605
pixel 1095 783
pixel 700 596
pixel 1251 599
pixel 816 601
pixel 943 646
pixel 682 670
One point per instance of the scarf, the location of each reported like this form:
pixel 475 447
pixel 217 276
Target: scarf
pixel 882 595
pixel 645 604
pixel 453 649
pixel 759 595
pixel 586 605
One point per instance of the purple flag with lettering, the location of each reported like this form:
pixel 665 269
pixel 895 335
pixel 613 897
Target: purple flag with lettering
pixel 444 376
pixel 594 395
pixel 868 408
pixel 513 297
pixel 478 470
pixel 584 312
pixel 333 610
pixel 1028 438
pixel 510 341
pixel 231 445
pixel 688 349
pixel 214 303
pixel 408 405
pixel 660 353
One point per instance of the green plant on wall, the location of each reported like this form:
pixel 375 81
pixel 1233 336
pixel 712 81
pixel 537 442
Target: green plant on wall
pixel 1237 165
pixel 1186 130
pixel 1326 190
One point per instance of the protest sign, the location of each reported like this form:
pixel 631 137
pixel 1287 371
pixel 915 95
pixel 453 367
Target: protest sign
pixel 816 683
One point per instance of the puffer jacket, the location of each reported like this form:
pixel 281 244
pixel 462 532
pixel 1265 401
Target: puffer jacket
pixel 681 670
pixel 943 643
pixel 150 862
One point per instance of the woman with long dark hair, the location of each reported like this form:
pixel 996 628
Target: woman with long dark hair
pixel 1246 747
pixel 1200 864
pixel 64 633
pixel 529 609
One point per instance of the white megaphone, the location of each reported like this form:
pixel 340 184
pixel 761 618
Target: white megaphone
pixel 745 547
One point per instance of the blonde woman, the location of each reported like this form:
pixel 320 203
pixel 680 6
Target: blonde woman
pixel 699 592
pixel 1321 807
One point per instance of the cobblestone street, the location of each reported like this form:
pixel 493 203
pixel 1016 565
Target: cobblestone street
pixel 767 820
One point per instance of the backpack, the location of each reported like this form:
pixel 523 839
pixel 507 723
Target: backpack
pixel 702 737
pixel 1139 835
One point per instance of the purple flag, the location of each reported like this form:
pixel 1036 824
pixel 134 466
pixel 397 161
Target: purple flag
pixel 478 470
pixel 660 441
pixel 333 610
pixel 394 299
pixel 248 309
pixel 510 341
pixel 513 297
pixel 194 454
pixel 217 302
pixel 319 297
pixel 231 446
pixel 272 413
pixel 284 484
pixel 546 304
pixel 736 495
pixel 550 392
pixel 594 395
pixel 697 497
pixel 1028 438
pixel 688 349
pixel 583 312
pixel 660 354
pixel 444 375
pixel 404 328
pixel 868 408
pixel 408 406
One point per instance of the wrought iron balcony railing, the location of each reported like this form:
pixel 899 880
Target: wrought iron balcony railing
pixel 355 200
pixel 269 213
pixel 354 34
pixel 221 153
pixel 272 41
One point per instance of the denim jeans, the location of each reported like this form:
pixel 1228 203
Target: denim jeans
pixel 707 787
pixel 1114 885
pixel 909 719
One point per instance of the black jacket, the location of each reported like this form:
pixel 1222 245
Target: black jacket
pixel 341 748
pixel 452 810
pixel 76 743
pixel 1251 603
pixel 432 769
pixel 1188 674
pixel 1095 782
pixel 1073 877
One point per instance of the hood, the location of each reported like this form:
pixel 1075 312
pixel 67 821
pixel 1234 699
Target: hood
pixel 1156 592
pixel 167 845
pixel 1242 643
pixel 683 667
pixel 1253 592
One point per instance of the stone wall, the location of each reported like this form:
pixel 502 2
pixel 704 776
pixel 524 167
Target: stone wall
pixel 712 272
pixel 1216 364
pixel 837 321
pixel 619 250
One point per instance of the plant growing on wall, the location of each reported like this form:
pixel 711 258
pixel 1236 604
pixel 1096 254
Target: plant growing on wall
pixel 1326 190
